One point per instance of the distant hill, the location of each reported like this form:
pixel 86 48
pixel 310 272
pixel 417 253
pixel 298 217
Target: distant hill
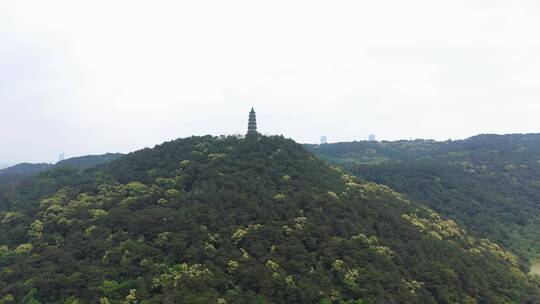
pixel 26 169
pixel 13 176
pixel 488 183
pixel 89 160
pixel 234 220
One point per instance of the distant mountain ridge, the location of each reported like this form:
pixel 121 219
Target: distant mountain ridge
pixel 26 169
pixel 359 152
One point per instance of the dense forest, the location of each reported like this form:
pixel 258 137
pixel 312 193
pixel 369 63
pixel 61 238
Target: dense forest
pixel 490 184
pixel 238 220
pixel 12 177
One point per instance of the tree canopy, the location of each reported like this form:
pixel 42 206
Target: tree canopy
pixel 490 184
pixel 238 220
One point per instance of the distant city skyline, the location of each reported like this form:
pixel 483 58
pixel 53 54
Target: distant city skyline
pixel 152 72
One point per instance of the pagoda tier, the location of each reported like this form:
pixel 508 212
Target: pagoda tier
pixel 252 124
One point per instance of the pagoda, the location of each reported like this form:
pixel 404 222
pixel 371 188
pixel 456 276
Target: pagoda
pixel 252 124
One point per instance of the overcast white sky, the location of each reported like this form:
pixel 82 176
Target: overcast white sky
pixel 88 77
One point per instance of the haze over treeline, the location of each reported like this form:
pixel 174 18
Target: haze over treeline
pixel 146 73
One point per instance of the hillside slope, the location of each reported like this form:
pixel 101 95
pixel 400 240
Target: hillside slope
pixel 488 183
pixel 232 220
pixel 12 177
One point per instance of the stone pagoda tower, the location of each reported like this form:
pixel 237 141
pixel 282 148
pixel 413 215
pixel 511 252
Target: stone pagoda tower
pixel 252 124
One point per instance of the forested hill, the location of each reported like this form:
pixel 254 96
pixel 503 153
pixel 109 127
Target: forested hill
pixel 488 183
pixel 25 169
pixel 28 169
pixel 12 177
pixel 88 160
pixel 233 220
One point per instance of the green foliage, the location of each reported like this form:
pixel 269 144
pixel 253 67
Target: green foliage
pixel 489 184
pixel 196 220
pixel 7 299
pixel 280 197
pixel 24 248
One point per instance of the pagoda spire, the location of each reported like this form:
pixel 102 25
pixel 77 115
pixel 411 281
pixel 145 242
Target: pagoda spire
pixel 252 124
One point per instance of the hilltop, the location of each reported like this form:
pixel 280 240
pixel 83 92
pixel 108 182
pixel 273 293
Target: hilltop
pixel 234 220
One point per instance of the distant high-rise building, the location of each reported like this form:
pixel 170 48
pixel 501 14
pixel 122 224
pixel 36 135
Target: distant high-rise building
pixel 61 157
pixel 252 124
pixel 371 137
pixel 323 140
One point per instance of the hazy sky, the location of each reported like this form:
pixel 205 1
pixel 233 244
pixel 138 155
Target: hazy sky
pixel 87 77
